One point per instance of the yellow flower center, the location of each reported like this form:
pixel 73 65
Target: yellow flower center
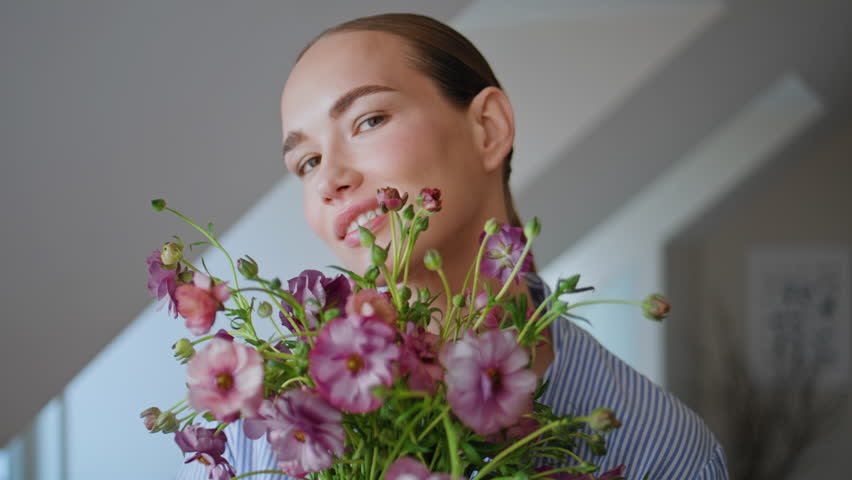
pixel 299 436
pixel 354 363
pixel 203 461
pixel 224 381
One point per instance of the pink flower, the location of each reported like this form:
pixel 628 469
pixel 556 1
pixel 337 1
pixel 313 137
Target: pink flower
pixel 372 304
pixel 208 447
pixel 161 282
pixel 502 252
pixel 353 355
pixel 303 430
pixel 488 380
pixel 419 358
pixel 199 301
pixel 407 468
pixel 389 199
pixel 431 199
pixel 226 378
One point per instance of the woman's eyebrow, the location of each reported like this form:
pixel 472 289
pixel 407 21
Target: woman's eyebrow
pixel 295 137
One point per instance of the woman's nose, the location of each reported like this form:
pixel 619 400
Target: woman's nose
pixel 337 180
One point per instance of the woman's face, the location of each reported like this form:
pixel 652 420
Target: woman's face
pixel 357 117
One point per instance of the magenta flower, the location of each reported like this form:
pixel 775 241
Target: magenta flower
pixel 419 359
pixel 407 468
pixel 315 292
pixel 226 378
pixel 208 447
pixel 488 380
pixel 371 303
pixel 353 355
pixel 502 252
pixel 199 301
pixel 161 282
pixel 431 199
pixel 389 199
pixel 303 430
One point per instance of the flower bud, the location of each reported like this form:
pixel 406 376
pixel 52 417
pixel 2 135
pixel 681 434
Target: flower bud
pixel 275 283
pixel 458 300
pixel 567 285
pixel 492 226
pixel 597 445
pixel 404 293
pixel 183 350
pixel 379 255
pixel 432 259
pixel 532 228
pixel 603 420
pixel 389 199
pixel 423 294
pixel 421 224
pixel 408 213
pixel 149 417
pixel 248 267
pixel 560 307
pixel 167 422
pixel 372 273
pixel 366 236
pixel 430 199
pixel 171 253
pixel 158 205
pixel 264 310
pixel 655 307
pixel 185 276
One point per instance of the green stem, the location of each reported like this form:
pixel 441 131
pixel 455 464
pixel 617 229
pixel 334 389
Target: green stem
pixel 391 282
pixel 476 263
pixel 599 302
pixel 505 288
pixel 259 472
pixel 373 462
pixel 452 446
pixel 176 405
pixel 447 320
pixel 241 301
pixel 409 431
pixel 305 380
pixel 433 424
pixel 395 243
pixel 520 443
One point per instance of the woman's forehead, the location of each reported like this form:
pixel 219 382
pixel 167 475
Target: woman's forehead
pixel 336 63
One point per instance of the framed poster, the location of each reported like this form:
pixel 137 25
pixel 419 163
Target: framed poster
pixel 798 323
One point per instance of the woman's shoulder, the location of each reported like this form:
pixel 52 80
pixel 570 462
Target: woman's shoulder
pixel 659 433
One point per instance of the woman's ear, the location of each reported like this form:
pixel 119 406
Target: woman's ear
pixel 494 126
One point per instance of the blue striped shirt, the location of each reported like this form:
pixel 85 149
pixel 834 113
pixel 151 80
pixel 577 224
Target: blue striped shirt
pixel 660 435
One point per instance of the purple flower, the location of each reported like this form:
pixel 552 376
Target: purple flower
pixel 227 379
pixel 389 199
pixel 314 291
pixel 353 355
pixel 419 359
pixel 407 468
pixel 161 282
pixel 431 199
pixel 303 430
pixel 488 380
pixel 208 447
pixel 502 252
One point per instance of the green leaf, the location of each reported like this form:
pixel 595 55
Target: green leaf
pixel 209 416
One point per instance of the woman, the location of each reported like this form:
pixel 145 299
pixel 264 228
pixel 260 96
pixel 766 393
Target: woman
pixel 405 101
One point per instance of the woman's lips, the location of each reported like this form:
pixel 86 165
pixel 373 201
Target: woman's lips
pixel 353 238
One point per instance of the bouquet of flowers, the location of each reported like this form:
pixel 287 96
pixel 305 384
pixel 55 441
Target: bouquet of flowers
pixel 368 382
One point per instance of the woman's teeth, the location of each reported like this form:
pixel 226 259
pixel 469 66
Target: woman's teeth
pixel 363 219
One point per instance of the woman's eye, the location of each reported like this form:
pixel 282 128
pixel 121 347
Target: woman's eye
pixel 308 165
pixel 371 122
